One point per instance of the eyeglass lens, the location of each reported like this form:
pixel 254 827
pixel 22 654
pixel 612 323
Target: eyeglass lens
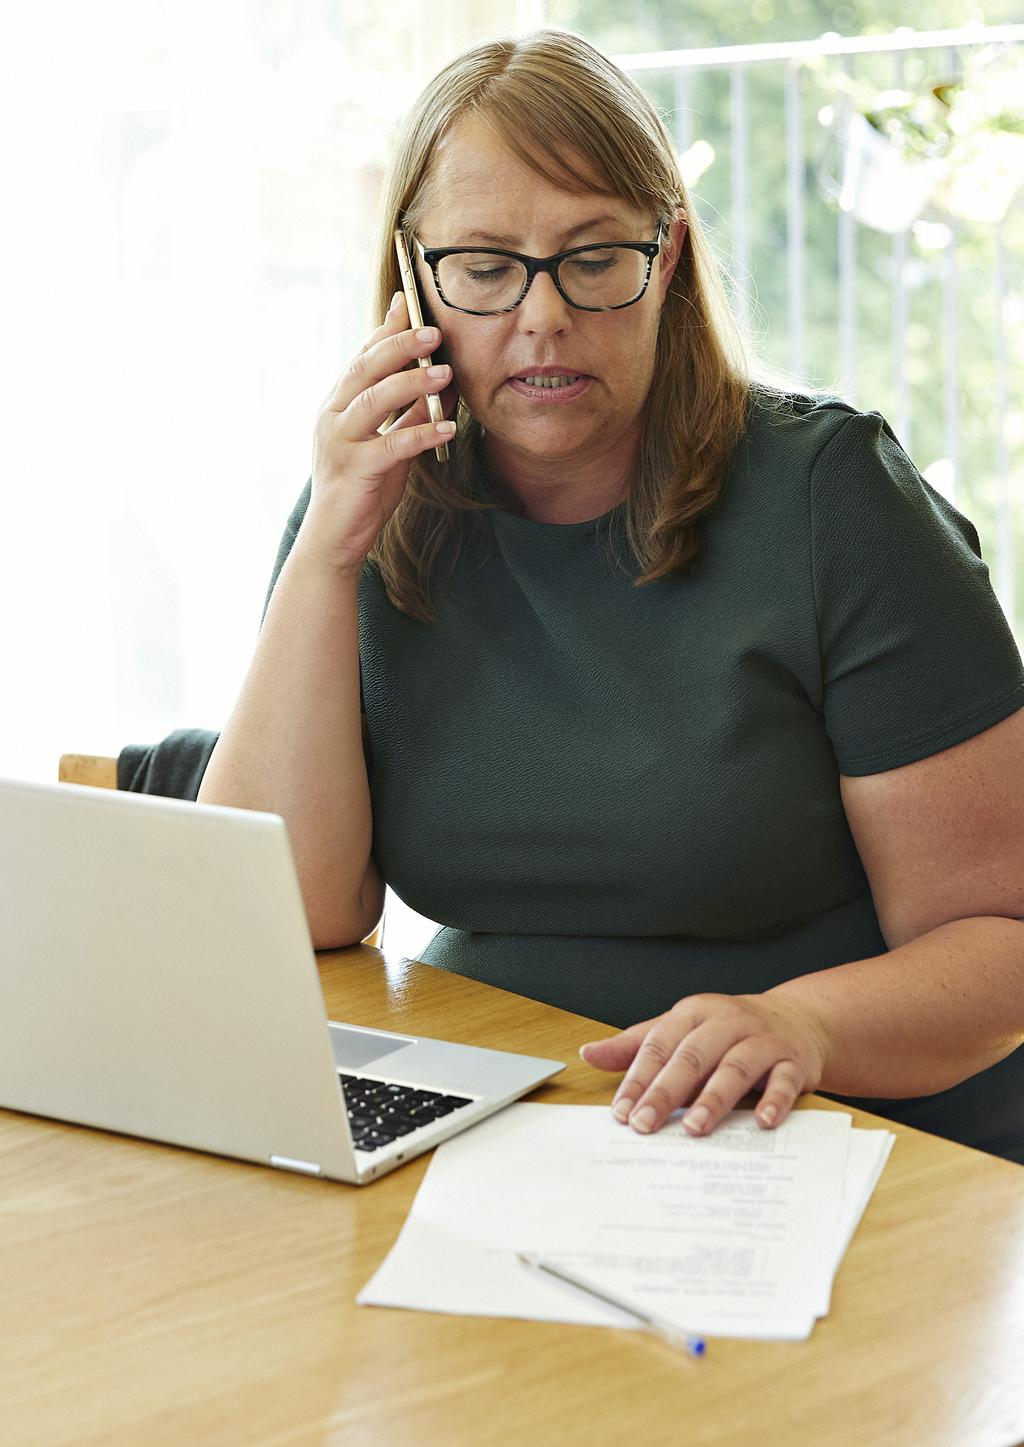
pixel 603 277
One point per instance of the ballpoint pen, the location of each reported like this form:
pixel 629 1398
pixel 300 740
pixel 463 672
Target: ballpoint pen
pixel 665 1331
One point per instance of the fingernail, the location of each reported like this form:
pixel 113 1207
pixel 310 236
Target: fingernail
pixel 394 302
pixel 768 1114
pixel 644 1119
pixel 621 1108
pixel 440 370
pixel 583 1052
pixel 697 1118
pixel 427 334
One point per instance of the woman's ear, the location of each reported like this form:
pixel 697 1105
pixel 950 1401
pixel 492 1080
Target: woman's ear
pixel 672 252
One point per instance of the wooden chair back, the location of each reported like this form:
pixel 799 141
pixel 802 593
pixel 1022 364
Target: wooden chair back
pixel 89 769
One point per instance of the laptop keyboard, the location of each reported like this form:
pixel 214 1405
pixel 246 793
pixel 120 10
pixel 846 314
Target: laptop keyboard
pixel 380 1111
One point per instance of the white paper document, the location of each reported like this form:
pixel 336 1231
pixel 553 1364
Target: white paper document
pixel 738 1233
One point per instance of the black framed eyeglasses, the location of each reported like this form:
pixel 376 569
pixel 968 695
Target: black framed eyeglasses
pixel 485 281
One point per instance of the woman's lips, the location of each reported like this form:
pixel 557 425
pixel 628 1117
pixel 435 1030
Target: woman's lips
pixel 546 374
pixel 550 394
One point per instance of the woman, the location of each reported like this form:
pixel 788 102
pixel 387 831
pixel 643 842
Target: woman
pixel 684 704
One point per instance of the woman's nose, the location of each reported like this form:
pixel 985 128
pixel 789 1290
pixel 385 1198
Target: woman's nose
pixel 543 309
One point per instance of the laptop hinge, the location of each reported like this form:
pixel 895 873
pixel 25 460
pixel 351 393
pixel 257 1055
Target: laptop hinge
pixel 285 1163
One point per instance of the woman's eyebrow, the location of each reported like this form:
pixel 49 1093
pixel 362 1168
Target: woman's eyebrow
pixel 510 241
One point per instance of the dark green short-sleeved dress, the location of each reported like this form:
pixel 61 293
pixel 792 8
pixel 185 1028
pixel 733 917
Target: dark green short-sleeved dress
pixel 614 796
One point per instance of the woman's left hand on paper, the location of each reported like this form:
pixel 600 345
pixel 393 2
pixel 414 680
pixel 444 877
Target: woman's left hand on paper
pixel 708 1052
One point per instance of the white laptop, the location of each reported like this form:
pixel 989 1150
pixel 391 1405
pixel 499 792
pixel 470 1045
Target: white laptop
pixel 157 978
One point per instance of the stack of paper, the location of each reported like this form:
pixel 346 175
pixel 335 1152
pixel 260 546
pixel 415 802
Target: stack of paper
pixel 739 1233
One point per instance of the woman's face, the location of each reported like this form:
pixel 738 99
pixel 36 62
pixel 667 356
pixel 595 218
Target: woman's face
pixel 486 196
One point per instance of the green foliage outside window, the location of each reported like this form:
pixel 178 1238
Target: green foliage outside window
pixel 647 25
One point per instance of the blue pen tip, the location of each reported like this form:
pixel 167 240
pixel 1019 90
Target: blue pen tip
pixel 699 1348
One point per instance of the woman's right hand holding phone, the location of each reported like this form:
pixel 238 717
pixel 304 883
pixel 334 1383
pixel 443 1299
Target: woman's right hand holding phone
pixel 359 473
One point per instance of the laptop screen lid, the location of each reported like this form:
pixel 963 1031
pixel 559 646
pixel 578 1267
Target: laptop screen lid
pixel 157 976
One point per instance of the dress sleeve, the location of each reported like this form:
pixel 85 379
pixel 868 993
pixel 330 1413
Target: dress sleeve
pixel 174 767
pixel 916 654
pixel 285 546
pixel 291 529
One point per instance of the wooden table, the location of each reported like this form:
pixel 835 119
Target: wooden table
pixel 154 1295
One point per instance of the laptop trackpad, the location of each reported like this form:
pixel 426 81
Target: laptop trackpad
pixel 356 1048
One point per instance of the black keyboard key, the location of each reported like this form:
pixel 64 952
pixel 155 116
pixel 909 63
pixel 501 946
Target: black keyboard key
pixel 372 1140
pixel 402 1127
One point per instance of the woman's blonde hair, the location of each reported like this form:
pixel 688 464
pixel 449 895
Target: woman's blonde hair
pixel 555 101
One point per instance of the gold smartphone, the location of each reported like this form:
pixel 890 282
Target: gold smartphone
pixel 412 301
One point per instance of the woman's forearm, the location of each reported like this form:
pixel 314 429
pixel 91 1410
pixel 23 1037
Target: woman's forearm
pixel 922 1017
pixel 293 746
